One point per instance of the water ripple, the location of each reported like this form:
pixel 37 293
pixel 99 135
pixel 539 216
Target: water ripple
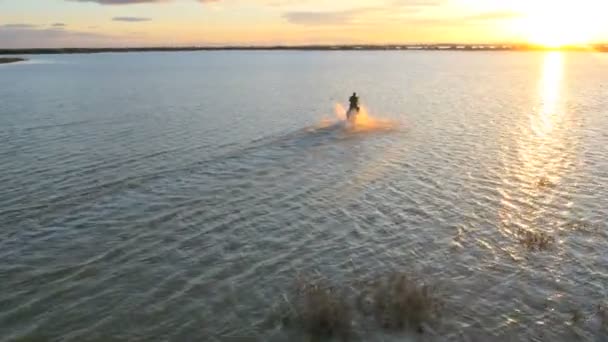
pixel 129 214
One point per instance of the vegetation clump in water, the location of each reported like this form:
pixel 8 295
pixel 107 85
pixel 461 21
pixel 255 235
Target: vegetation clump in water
pixel 394 302
pixel 399 301
pixel 318 308
pixel 545 182
pixel 535 241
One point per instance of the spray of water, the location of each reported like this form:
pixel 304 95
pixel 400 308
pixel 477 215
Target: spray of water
pixel 364 121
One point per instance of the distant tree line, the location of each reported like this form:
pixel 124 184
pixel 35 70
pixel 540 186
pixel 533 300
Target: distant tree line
pixel 430 47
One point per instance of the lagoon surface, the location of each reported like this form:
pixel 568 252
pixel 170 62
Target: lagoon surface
pixel 177 196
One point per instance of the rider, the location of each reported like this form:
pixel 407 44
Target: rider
pixel 354 103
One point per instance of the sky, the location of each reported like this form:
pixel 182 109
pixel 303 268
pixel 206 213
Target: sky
pixel 120 23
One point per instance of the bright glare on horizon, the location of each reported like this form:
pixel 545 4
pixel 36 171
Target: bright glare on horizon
pixel 560 23
pixel 94 23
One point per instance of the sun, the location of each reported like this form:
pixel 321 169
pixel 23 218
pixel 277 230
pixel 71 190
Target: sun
pixel 556 24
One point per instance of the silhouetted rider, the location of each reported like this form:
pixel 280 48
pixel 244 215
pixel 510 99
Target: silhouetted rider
pixel 354 103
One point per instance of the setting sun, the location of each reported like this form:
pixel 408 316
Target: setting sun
pixel 556 24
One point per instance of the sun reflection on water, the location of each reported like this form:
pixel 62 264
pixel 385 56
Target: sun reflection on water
pixel 550 90
pixel 540 157
pixel 541 153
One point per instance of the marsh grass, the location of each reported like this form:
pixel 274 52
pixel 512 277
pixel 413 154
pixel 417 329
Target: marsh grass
pixel 577 316
pixel 318 308
pixel 401 301
pixel 545 182
pixel 394 302
pixel 602 311
pixel 535 241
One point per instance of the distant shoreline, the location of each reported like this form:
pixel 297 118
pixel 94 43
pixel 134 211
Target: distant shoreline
pixel 406 47
pixel 11 60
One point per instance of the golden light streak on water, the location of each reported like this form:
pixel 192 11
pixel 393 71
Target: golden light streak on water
pixel 540 159
pixel 550 90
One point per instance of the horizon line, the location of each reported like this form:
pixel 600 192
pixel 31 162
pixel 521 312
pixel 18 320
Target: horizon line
pixel 598 47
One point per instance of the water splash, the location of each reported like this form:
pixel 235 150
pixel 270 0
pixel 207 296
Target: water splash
pixel 364 121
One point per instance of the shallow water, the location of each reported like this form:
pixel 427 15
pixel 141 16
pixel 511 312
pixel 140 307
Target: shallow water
pixel 176 196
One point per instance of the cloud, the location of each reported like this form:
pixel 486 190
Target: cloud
pixel 133 2
pixel 498 15
pixel 471 19
pixel 393 10
pixel 322 18
pixel 18 26
pixel 35 37
pixel 368 15
pixel 131 19
pixel 397 11
pixel 58 25
pixel 418 3
pixel 122 2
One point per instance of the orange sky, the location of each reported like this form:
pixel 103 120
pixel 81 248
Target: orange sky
pixel 57 23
